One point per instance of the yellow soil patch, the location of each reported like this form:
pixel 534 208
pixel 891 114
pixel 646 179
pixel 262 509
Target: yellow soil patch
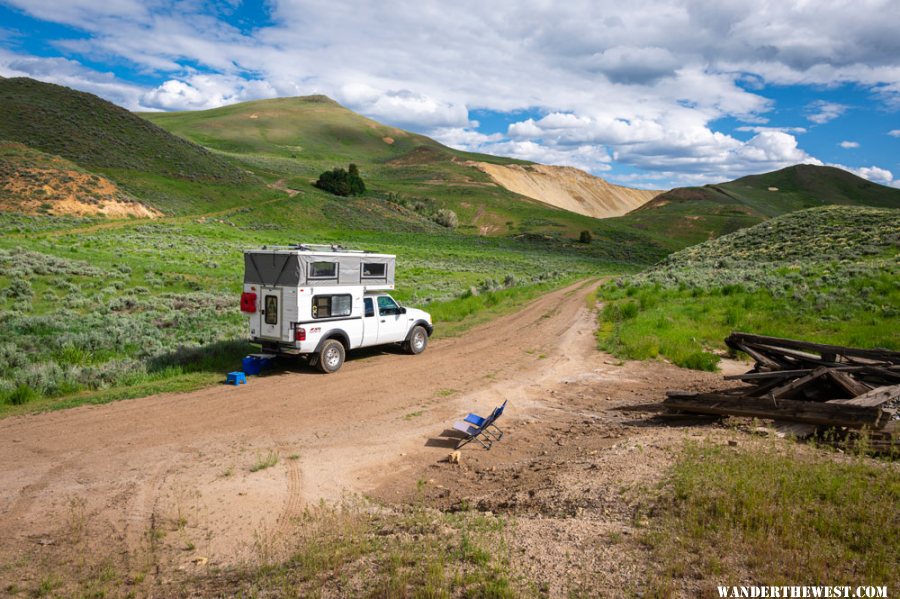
pixel 67 192
pixel 567 188
pixel 388 140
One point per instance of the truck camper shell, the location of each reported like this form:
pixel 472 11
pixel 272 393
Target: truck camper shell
pixel 318 266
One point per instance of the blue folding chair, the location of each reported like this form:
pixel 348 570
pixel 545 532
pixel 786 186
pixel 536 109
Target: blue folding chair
pixel 489 422
pixel 478 429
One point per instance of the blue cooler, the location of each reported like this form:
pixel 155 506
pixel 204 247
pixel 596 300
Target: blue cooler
pixel 256 363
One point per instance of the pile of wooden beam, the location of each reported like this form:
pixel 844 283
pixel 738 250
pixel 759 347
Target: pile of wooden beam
pixel 812 383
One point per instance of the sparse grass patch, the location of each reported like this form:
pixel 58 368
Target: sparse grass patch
pixel 777 515
pixel 353 550
pixel 264 461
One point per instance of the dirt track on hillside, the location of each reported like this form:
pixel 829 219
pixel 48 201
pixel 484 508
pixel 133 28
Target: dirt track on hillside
pixel 168 478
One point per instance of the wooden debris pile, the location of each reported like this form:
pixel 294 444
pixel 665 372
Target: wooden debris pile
pixel 795 381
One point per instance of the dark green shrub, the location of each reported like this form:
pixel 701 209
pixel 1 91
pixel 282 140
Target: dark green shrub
pixel 341 182
pixel 585 237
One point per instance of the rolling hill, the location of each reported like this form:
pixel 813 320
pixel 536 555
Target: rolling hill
pixel 98 134
pixel 295 139
pixel 698 213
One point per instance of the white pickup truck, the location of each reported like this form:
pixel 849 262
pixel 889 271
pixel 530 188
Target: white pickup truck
pixel 322 301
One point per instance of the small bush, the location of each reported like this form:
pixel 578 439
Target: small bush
pixel 21 395
pixel 446 218
pixel 699 361
pixel 585 237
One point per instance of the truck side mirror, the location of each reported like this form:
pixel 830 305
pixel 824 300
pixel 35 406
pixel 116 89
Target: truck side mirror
pixel 402 310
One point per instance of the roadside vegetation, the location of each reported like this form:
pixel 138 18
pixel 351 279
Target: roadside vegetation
pixel 152 307
pixel 782 514
pixel 826 275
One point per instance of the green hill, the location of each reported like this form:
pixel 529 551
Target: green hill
pixel 295 139
pixel 95 133
pixel 698 213
pixel 827 274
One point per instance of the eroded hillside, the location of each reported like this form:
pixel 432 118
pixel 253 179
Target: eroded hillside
pixel 32 182
pixel 567 188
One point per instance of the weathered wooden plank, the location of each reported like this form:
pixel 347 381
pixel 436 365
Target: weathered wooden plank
pixel 825 413
pixel 760 358
pixel 751 376
pixel 878 354
pixel 875 397
pixel 848 383
pixel 793 386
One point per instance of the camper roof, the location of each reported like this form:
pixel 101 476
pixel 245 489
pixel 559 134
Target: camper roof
pixel 314 249
pixel 317 265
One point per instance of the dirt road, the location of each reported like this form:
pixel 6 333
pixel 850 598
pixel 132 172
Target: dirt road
pixel 121 472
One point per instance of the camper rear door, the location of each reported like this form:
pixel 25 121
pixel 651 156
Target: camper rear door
pixel 270 313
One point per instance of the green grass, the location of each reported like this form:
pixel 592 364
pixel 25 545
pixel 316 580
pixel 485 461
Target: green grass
pixel 777 515
pixel 827 275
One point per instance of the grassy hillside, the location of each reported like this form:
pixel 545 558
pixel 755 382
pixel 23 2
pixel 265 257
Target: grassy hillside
pixel 824 274
pixel 695 214
pixel 161 170
pixel 95 133
pixel 293 140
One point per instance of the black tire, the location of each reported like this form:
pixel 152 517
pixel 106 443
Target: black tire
pixel 331 356
pixel 417 340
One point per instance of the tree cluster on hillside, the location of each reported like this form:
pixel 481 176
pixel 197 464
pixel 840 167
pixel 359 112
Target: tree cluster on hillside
pixel 341 182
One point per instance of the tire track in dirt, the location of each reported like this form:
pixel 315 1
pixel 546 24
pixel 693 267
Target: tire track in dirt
pixel 293 503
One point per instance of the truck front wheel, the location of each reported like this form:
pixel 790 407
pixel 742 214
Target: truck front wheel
pixel 417 341
pixel 331 356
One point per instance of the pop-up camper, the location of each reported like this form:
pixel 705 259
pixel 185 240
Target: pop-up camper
pixel 323 301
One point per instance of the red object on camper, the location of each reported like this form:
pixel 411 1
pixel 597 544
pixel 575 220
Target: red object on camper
pixel 248 302
pixel 299 334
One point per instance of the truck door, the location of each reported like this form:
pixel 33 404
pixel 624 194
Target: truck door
pixel 270 313
pixel 391 320
pixel 370 323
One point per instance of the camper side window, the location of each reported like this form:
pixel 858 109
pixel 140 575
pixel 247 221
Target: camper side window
pixel 374 270
pixel 331 306
pixel 323 270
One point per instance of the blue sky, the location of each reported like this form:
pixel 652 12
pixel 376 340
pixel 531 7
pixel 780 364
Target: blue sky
pixel 650 93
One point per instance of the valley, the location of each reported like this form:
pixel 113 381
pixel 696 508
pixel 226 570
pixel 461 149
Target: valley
pixel 131 470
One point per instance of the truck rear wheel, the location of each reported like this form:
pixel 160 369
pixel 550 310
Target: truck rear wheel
pixel 417 341
pixel 331 356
